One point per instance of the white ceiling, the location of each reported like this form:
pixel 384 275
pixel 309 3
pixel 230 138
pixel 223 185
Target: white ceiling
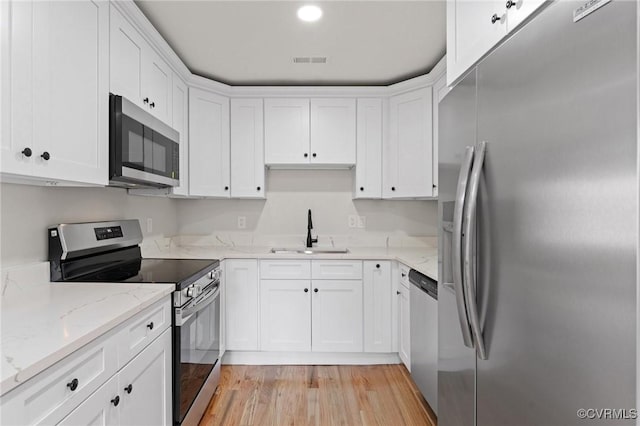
pixel 254 42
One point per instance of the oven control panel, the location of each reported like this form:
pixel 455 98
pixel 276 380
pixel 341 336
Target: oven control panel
pixel 108 232
pixel 196 289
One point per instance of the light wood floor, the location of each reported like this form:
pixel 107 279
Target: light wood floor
pixel 381 395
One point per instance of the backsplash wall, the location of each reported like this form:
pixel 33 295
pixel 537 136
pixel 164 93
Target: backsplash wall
pixel 26 212
pixel 328 193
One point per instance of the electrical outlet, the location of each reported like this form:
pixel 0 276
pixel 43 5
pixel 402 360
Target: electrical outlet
pixel 362 221
pixel 149 225
pixel 353 221
pixel 242 222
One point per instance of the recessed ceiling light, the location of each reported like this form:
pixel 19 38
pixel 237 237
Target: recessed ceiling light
pixel 309 13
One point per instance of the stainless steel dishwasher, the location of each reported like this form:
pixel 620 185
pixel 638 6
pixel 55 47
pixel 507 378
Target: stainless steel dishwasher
pixel 424 335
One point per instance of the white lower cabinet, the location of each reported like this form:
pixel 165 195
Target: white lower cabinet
pixel 285 315
pixel 241 304
pixel 336 316
pixel 404 322
pixel 97 410
pixel 377 306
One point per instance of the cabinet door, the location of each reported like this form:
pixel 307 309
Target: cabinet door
pixel 471 33
pixel 404 341
pixel 368 183
pixel 208 144
pixel 71 62
pixel 146 385
pixel 333 131
pixel 520 11
pixel 337 316
pixel 285 315
pixel 180 113
pixel 99 408
pixel 440 90
pixel 409 151
pixel 247 149
pixel 241 298
pixel 157 85
pixel 126 58
pixel 377 306
pixel 286 131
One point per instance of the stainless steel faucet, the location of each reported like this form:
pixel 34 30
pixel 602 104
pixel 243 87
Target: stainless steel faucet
pixel 310 240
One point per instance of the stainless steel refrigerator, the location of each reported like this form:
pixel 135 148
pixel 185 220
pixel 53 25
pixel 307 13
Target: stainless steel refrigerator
pixel 538 225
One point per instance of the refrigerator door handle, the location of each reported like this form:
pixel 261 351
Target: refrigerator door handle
pixel 469 250
pixel 456 245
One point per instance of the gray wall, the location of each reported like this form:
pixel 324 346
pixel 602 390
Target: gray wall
pixel 26 211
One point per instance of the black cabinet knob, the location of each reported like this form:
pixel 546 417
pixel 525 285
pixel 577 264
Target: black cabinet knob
pixel 393 188
pixel 510 4
pixel 314 155
pixel 315 290
pixel 129 388
pixel 73 385
pixel 145 100
pixel 258 188
pixel 495 18
pixel 115 401
pixel 362 188
pixel 403 274
pixel 150 325
pixel 306 155
pixel 398 293
pixel 27 152
pixel 434 186
pixel 152 104
pixel 45 155
pixel 378 265
pixel 306 290
pixel 226 188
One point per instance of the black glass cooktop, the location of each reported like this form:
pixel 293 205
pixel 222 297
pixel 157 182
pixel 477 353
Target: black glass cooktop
pixel 179 271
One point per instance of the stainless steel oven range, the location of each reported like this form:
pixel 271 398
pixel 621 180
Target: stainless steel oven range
pixel 110 252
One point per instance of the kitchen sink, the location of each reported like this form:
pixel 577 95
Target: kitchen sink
pixel 309 250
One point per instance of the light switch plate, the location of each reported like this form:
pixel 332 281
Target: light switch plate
pixel 242 222
pixel 353 221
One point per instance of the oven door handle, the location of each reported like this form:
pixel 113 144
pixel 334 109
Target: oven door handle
pixel 184 316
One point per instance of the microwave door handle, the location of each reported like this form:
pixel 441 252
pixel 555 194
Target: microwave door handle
pixel 456 246
pixel 186 314
pixel 469 251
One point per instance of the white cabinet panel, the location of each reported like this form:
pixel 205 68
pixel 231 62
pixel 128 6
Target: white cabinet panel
pixel 520 10
pixel 146 387
pixel 142 330
pixel 126 59
pixel 368 182
pixel 180 113
pixel 285 315
pixel 98 409
pixel 241 300
pixel 336 269
pixel 404 322
pixel 377 306
pixel 286 132
pixel 209 156
pixel 337 316
pixel 440 90
pixel 333 131
pixel 285 269
pixel 408 154
pixel 157 85
pixel 247 149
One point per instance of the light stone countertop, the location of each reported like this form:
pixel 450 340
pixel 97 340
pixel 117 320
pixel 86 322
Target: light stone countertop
pixel 43 322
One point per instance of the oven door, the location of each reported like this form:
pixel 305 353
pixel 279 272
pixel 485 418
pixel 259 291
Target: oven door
pixel 196 349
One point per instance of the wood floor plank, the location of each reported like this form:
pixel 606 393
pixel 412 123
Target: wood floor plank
pixel 381 395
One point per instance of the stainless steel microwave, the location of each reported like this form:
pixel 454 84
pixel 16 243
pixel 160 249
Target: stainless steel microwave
pixel 143 151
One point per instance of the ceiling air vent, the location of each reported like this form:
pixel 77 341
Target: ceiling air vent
pixel 310 60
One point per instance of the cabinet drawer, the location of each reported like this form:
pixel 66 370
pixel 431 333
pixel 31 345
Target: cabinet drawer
pixel 404 275
pixel 48 397
pixel 285 269
pixel 142 329
pixel 336 269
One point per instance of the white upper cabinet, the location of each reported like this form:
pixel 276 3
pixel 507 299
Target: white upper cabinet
pixel 440 90
pixel 57 52
pixel 247 149
pixel 474 27
pixel 316 131
pixel 209 156
pixel 137 71
pixel 408 153
pixel 333 131
pixel 180 114
pixel 368 183
pixel 286 131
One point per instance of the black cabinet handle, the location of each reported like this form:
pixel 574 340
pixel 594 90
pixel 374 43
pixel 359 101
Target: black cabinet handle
pixel 378 265
pixel 226 188
pixel 315 290
pixel 152 104
pixel 398 293
pixel 314 155
pixel 495 18
pixel 129 388
pixel 45 155
pixel 362 188
pixel 403 274
pixel 73 385
pixel 145 100
pixel 306 155
pixel 434 185
pixel 27 152
pixel 510 4
pixel 115 401
pixel 258 188
pixel 150 325
pixel 393 188
pixel 306 290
